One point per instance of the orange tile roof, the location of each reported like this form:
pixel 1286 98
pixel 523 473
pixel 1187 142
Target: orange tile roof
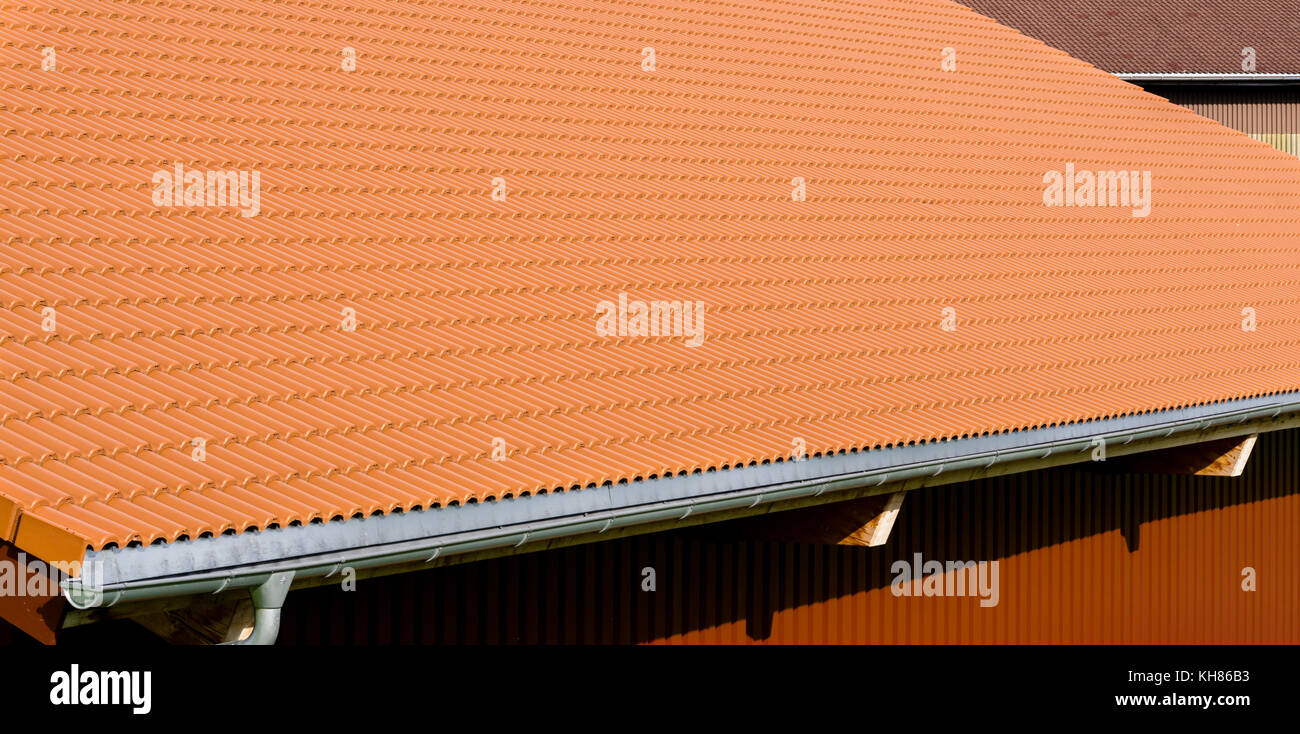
pixel 476 317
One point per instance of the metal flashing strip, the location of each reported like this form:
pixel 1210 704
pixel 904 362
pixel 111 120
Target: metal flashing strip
pixel 1210 78
pixel 210 565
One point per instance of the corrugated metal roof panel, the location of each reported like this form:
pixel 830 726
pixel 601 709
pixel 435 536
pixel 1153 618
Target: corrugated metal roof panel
pixel 475 328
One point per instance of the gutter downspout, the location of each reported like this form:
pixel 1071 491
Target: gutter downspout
pixel 268 598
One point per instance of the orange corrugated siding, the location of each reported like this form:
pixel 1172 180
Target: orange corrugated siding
pixel 1061 538
pixel 476 316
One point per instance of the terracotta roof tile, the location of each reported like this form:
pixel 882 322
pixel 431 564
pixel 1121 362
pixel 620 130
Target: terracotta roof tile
pixel 476 319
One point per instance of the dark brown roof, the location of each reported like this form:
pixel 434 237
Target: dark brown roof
pixel 1205 36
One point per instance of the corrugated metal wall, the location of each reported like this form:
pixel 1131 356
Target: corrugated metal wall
pixel 1267 113
pixel 1083 557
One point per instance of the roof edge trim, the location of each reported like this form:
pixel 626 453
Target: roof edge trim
pixel 213 565
pixel 1209 78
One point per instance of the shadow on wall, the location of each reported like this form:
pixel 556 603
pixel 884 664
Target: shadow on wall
pixel 1083 556
pixel 111 633
pixel 1270 114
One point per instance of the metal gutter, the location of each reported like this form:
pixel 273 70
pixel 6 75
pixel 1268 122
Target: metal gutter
pixel 1209 78
pixel 252 560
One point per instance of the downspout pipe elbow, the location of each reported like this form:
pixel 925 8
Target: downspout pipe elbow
pixel 268 598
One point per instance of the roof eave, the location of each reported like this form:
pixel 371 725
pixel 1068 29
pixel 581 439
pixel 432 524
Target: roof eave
pixel 1244 79
pixel 246 560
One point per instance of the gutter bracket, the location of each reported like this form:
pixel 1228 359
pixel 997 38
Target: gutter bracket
pixel 268 598
pixel 224 583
